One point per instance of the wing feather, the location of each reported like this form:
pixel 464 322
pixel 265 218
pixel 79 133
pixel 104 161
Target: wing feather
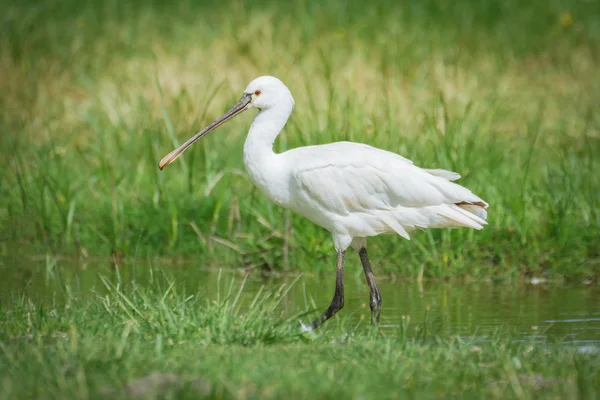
pixel 346 187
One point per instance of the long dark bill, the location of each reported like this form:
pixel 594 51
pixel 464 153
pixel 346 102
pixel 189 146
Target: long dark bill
pixel 239 107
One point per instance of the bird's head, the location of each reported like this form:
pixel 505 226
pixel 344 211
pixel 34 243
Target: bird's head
pixel 263 93
pixel 266 92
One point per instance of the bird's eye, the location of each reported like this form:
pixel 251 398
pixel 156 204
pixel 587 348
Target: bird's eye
pixel 257 92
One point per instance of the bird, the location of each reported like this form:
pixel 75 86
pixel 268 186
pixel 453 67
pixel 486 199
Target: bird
pixel 353 190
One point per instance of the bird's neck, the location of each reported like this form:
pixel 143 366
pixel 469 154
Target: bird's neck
pixel 263 165
pixel 264 130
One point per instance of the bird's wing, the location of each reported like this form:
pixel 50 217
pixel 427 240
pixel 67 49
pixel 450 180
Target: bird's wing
pixel 379 180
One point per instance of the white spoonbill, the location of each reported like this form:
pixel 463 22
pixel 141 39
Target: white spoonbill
pixel 350 189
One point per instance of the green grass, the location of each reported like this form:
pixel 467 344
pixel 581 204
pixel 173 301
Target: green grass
pixel 95 93
pixel 223 347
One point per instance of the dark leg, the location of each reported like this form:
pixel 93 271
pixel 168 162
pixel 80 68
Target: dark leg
pixel 375 298
pixel 338 298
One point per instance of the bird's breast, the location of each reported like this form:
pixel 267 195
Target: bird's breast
pixel 270 175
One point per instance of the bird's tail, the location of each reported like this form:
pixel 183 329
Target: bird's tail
pixel 459 215
pixel 477 209
pixel 405 219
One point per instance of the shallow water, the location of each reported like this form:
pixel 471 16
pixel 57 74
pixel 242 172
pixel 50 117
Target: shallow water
pixel 569 313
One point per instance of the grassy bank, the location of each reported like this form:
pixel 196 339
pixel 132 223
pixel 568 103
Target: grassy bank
pixel 95 93
pixel 157 341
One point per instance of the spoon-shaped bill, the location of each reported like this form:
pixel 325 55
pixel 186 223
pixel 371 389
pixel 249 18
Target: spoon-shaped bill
pixel 238 108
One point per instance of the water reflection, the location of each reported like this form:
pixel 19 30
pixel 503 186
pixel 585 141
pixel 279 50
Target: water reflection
pixel 567 313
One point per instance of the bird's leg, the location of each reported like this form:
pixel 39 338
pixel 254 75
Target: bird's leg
pixel 338 298
pixel 375 297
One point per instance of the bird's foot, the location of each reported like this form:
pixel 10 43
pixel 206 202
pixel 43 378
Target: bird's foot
pixel 305 328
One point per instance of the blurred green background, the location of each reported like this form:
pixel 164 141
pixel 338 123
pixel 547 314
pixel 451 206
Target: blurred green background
pixel 505 93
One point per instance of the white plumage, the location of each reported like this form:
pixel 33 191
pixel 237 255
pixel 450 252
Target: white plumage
pixel 352 190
